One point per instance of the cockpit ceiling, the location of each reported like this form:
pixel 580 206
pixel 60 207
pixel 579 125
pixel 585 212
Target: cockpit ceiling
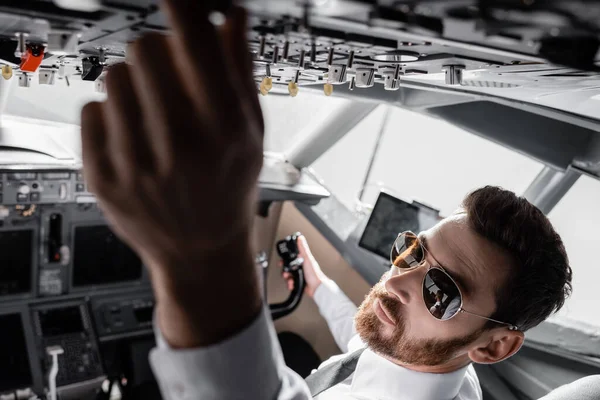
pixel 421 37
pixel 539 52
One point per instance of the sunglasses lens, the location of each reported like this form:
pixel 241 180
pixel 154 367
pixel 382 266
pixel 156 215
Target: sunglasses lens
pixel 407 251
pixel 441 295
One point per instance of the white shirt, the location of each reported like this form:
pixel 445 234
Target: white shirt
pixel 250 366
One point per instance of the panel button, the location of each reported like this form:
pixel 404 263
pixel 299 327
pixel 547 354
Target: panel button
pixel 80 187
pixel 24 188
pixel 35 196
pixel 62 191
pixel 22 198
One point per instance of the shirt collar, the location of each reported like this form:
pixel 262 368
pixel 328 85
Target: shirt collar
pixel 380 378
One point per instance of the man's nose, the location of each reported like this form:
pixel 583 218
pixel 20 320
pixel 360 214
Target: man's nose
pixel 406 285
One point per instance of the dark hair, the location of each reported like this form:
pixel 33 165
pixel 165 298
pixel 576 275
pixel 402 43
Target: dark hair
pixel 540 279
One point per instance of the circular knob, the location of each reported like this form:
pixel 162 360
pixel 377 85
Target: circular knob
pixel 293 89
pixel 328 89
pixel 267 82
pixel 24 189
pixel 7 72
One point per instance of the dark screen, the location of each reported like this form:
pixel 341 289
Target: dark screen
pixel 143 314
pixel 15 371
pixel 15 262
pixel 389 217
pixel 100 257
pixel 60 321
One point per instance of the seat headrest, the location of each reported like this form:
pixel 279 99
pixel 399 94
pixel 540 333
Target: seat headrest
pixel 587 388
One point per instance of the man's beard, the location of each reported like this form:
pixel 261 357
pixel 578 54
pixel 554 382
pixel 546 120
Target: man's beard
pixel 397 346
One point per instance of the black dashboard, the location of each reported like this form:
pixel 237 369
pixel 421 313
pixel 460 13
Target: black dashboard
pixel 67 282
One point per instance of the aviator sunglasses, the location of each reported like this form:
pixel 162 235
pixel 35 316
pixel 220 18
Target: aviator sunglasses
pixel 441 294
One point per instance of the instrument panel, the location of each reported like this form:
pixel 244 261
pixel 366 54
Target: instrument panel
pixel 357 44
pixel 69 288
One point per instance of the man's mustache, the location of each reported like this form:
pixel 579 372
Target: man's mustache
pixel 389 302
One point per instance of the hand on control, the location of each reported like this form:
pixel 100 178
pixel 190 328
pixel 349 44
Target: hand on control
pixel 313 274
pixel 173 156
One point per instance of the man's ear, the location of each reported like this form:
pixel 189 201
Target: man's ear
pixel 501 344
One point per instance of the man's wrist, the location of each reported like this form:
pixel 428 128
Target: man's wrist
pixel 190 326
pixel 205 298
pixel 313 288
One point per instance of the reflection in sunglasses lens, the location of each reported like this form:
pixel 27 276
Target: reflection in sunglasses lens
pixel 441 295
pixel 407 251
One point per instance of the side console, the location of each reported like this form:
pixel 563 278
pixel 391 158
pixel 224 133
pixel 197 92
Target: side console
pixel 69 327
pixel 131 314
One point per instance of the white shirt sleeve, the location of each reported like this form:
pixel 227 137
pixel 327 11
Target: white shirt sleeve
pixel 338 310
pixel 247 366
pixel 452 308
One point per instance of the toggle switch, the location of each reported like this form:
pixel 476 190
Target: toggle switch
pixel 100 84
pixel 24 80
pixel 32 58
pixel 454 74
pixel 261 47
pixel 330 56
pixel 47 77
pixel 350 59
pixel 286 50
pixel 336 74
pixel 301 60
pixel 365 77
pixel 21 44
pixel 92 68
pixel 391 80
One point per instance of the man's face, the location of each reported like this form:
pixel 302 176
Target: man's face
pixel 393 319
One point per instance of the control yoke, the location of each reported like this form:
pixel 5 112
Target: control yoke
pixel 292 263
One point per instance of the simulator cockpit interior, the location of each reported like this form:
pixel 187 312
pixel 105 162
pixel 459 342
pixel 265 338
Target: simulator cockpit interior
pixel 380 116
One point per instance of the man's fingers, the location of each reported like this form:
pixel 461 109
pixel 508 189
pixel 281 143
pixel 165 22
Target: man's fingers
pixel 126 141
pixel 289 280
pixel 199 56
pixel 303 247
pixel 164 103
pixel 239 60
pixel 98 169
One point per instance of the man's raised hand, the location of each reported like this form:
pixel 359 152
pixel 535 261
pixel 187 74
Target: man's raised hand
pixel 173 156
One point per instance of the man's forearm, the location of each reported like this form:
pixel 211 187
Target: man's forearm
pixel 338 310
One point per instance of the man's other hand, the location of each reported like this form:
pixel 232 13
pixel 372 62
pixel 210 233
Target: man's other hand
pixel 313 274
pixel 173 156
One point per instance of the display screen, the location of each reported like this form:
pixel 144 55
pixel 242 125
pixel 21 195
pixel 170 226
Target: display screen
pixel 389 217
pixel 15 371
pixel 15 262
pixel 60 321
pixel 143 314
pixel 100 257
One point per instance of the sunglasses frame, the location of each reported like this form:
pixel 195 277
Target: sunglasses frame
pixel 440 268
